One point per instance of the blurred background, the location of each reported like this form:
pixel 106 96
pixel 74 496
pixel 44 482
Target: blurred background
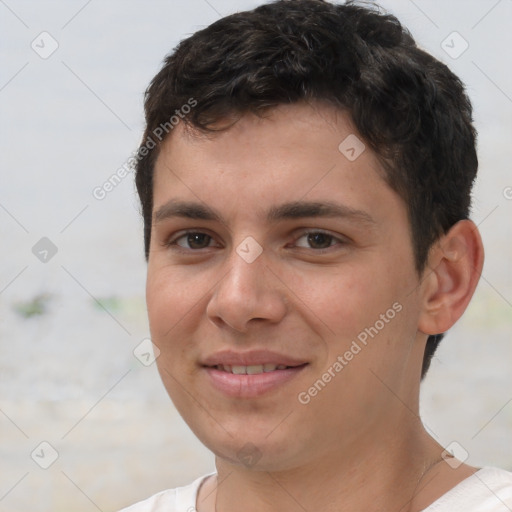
pixel 85 423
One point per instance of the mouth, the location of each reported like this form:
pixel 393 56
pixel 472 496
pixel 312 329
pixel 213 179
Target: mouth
pixel 254 369
pixel 256 378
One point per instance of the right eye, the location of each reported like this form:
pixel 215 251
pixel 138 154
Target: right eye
pixel 192 238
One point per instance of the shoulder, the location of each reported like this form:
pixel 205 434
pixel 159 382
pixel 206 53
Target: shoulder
pixel 180 499
pixel 487 490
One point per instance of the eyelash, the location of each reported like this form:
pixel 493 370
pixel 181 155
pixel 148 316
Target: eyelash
pixel 171 243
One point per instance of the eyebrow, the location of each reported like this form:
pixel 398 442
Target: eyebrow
pixel 290 210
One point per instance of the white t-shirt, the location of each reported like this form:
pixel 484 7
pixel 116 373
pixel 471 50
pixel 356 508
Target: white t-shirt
pixel 487 490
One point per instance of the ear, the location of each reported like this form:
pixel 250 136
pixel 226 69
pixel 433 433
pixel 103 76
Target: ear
pixel 454 266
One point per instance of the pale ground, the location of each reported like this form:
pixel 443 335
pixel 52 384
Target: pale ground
pixel 68 376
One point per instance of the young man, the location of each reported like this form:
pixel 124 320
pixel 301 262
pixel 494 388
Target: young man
pixel 305 179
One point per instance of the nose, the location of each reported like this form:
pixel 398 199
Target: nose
pixel 249 293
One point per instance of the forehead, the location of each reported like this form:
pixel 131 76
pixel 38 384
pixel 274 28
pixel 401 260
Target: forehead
pixel 294 124
pixel 293 152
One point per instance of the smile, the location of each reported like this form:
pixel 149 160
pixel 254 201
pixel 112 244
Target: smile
pixel 251 381
pixel 254 369
pixel 250 374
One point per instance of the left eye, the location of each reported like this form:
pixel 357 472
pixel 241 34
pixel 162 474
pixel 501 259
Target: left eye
pixel 318 239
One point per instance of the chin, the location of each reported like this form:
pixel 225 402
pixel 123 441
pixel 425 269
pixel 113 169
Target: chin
pixel 251 448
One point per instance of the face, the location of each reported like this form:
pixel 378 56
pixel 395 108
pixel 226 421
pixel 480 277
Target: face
pixel 281 288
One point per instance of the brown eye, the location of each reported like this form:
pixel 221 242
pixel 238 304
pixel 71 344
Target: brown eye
pixel 318 240
pixel 194 239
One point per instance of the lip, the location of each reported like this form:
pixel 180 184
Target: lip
pixel 252 357
pixel 250 386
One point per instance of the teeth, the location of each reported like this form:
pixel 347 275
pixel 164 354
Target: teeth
pixel 255 368
pixel 250 370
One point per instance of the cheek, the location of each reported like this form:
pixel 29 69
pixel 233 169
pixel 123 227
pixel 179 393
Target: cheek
pixel 345 300
pixel 172 312
pixel 364 303
pixel 169 300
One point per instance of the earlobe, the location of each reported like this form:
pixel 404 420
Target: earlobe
pixel 452 274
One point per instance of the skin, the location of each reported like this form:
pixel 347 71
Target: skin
pixel 358 444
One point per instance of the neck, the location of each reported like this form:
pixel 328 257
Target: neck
pixel 382 472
